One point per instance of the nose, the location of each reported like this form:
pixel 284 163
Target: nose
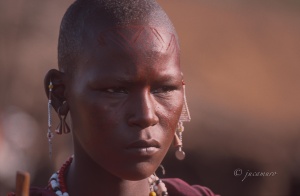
pixel 142 110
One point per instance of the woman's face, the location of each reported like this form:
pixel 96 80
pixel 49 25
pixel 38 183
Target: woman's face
pixel 125 99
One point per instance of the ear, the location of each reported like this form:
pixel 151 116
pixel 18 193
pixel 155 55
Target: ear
pixel 57 95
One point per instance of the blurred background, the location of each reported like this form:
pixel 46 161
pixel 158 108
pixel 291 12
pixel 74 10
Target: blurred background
pixel 241 65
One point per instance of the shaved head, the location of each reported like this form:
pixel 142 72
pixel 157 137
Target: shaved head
pixel 120 79
pixel 104 14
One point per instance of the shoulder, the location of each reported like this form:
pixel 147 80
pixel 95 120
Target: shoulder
pixel 179 187
pixel 37 191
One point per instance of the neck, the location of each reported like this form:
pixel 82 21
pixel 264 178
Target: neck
pixel 85 177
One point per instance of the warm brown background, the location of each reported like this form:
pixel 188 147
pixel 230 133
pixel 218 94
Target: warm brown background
pixel 241 65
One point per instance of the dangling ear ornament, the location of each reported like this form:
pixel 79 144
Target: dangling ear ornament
pixel 63 127
pixel 50 134
pixel 184 117
pixel 62 114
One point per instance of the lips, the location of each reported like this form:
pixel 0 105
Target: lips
pixel 143 147
pixel 144 144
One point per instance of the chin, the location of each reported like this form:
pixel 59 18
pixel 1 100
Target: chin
pixel 139 171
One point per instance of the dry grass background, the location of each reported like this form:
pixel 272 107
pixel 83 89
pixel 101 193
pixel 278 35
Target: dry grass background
pixel 241 65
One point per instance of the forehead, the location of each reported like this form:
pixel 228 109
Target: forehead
pixel 131 49
pixel 138 38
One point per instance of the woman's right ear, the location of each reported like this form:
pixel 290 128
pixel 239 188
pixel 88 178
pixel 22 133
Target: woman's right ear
pixel 57 95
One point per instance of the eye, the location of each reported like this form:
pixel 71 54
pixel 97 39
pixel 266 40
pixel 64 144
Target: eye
pixel 164 89
pixel 120 90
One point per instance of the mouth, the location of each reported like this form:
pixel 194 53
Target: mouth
pixel 143 147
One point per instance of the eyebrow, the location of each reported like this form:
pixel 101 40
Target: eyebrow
pixel 124 79
pixel 164 78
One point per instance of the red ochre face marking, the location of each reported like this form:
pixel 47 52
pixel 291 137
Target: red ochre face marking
pixel 141 38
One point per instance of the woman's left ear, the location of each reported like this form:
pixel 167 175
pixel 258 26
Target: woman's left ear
pixel 58 87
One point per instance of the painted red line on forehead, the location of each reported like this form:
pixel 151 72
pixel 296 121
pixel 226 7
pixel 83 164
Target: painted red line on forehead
pixel 157 34
pixel 139 34
pixel 171 42
pixel 137 31
pixel 127 36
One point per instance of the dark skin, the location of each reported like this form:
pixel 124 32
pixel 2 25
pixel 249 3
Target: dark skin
pixel 125 101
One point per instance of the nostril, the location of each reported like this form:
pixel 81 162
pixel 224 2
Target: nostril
pixel 143 121
pixel 143 117
pixel 143 111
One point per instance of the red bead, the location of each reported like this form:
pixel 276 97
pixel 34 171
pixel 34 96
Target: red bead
pixel 62 173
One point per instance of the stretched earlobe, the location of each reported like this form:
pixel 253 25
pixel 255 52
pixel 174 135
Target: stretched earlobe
pixel 55 89
pixel 57 95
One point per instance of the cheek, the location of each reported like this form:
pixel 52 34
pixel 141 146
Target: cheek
pixel 93 120
pixel 169 111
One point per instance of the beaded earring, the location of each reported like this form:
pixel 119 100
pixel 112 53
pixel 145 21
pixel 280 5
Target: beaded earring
pixel 49 132
pixel 184 117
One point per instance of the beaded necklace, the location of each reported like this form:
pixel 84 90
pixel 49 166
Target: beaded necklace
pixel 57 182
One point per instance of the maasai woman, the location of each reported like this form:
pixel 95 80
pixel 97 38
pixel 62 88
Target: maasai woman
pixel 120 80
